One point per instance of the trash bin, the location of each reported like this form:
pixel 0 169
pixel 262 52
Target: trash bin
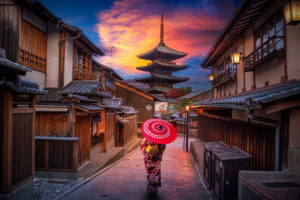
pixel 226 166
pixel 209 147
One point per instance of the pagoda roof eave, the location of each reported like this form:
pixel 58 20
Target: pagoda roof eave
pixel 162 78
pixel 164 66
pixel 162 51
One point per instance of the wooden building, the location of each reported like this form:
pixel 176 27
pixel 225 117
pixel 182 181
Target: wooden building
pixel 162 66
pixel 256 87
pixel 17 130
pixel 198 95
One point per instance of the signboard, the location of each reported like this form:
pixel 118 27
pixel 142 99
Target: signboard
pixel 161 107
pixel 148 107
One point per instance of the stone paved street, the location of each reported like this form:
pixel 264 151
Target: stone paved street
pixel 127 179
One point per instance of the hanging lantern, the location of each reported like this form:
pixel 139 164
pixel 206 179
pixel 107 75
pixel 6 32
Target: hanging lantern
pixel 235 57
pixel 210 77
pixel 292 12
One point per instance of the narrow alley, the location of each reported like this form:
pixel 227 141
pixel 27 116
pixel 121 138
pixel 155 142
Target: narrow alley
pixel 127 178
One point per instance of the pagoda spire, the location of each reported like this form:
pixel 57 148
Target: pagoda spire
pixel 162 29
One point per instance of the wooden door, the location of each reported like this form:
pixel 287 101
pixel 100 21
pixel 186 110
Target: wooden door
pixel 83 131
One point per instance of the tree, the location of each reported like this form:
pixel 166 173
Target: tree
pixel 183 103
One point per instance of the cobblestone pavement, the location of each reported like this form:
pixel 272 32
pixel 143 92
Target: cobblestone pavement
pixel 50 189
pixel 127 179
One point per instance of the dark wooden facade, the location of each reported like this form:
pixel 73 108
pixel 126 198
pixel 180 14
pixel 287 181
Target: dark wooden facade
pixel 17 142
pixel 136 98
pixel 256 140
pixel 56 154
pixel 126 130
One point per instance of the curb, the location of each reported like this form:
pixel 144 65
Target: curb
pixel 94 175
pixel 200 177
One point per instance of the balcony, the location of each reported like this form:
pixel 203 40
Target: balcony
pixel 224 77
pixel 82 74
pixel 274 47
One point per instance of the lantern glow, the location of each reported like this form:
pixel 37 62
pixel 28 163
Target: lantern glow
pixel 235 57
pixel 292 12
pixel 210 77
pixel 187 108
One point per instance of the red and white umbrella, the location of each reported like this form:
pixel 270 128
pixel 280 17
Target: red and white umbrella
pixel 159 131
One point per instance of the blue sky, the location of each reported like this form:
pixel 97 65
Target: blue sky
pixel 132 27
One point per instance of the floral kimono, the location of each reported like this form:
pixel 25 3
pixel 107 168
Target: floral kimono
pixel 152 164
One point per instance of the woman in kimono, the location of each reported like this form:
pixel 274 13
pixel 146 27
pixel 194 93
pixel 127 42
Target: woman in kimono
pixel 152 157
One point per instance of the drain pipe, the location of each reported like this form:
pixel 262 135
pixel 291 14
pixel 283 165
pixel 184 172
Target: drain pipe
pixel 61 41
pixel 277 135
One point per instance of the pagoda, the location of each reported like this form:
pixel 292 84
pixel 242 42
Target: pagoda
pixel 162 66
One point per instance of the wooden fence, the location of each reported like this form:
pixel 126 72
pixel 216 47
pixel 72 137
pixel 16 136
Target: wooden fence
pixel 56 153
pixel 129 129
pixel 257 140
pixel 22 146
pixel 110 126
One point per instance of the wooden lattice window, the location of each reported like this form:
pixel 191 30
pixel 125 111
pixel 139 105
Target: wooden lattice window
pixel 33 47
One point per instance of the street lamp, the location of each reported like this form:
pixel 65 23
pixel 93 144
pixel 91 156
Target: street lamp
pixel 292 12
pixel 187 109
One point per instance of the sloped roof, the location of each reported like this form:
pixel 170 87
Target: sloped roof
pixel 10 65
pixel 193 94
pixel 76 31
pixel 162 66
pixel 24 87
pixel 90 107
pixel 84 87
pixel 162 51
pixel 112 71
pixel 113 102
pixel 255 98
pixel 163 78
pixel 238 23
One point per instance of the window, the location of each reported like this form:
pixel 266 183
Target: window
pixel 270 36
pixel 82 68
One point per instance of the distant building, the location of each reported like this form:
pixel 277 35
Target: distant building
pixel 161 68
pixel 198 95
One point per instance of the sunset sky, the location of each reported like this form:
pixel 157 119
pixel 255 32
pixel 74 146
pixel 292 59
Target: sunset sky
pixel 125 28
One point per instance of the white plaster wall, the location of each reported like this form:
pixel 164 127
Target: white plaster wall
pixel 52 56
pixel 36 76
pixel 68 72
pixel 293 51
pixel 271 71
pixel 230 88
pixel 248 48
pixel 240 67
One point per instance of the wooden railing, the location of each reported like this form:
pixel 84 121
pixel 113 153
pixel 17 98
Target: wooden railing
pixel 224 77
pixel 56 153
pixel 269 49
pixel 80 74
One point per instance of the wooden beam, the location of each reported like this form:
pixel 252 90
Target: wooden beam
pixel 32 106
pixel 7 141
pixel 134 90
pixel 283 104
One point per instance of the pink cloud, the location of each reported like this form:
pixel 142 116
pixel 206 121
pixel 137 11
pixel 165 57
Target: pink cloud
pixel 132 27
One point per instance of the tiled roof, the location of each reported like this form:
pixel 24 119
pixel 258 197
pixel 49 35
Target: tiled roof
pixel 85 88
pixel 112 71
pixel 193 94
pixel 161 50
pixel 7 64
pixel 113 102
pixel 24 87
pixel 255 98
pixel 90 107
pixel 162 78
pixel 82 98
pixel 156 64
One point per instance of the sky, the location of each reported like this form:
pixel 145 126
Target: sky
pixel 122 29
